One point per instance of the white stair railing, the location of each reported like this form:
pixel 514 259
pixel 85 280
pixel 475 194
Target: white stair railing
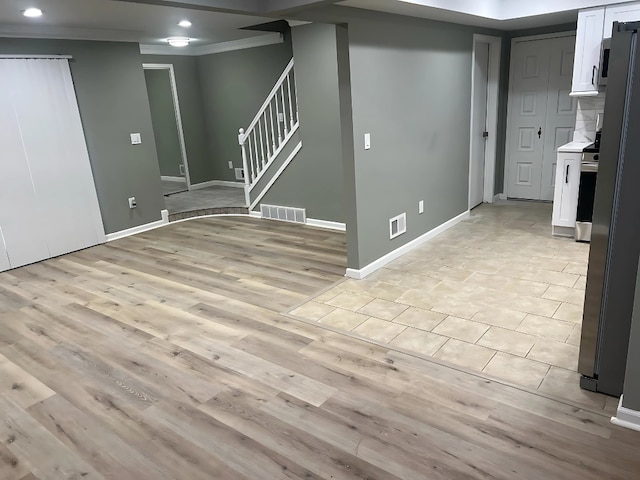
pixel 270 130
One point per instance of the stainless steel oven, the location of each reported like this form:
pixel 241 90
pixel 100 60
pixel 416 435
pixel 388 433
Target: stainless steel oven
pixel 586 195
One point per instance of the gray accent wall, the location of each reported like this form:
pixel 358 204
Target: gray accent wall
pixel 313 180
pixel 199 158
pixel 411 90
pixel 234 85
pixel 113 103
pixel 165 127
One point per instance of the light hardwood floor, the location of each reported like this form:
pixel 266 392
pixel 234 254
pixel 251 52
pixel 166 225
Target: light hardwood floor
pixel 164 356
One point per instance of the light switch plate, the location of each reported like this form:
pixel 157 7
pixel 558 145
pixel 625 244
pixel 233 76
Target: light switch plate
pixel 367 141
pixel 136 139
pixel 231 165
pixel 421 206
pixel 132 202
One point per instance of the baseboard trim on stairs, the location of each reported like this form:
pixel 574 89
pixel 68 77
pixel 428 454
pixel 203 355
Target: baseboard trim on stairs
pixel 406 248
pixel 627 418
pixel 217 183
pixel 140 228
pixel 313 222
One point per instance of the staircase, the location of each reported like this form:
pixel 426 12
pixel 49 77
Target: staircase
pixel 268 136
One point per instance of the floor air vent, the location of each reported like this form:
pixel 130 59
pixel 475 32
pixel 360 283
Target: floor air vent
pixel 286 214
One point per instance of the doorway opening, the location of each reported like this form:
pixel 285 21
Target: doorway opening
pixel 485 75
pixel 167 127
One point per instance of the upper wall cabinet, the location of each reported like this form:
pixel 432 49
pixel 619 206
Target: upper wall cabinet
pixel 586 65
pixel 628 12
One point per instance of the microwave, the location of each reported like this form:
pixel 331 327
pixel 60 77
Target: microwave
pixel 604 61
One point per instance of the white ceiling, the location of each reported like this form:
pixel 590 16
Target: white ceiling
pixel 121 21
pixel 498 14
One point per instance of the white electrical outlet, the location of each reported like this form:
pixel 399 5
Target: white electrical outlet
pixel 132 202
pixel 230 165
pixel 136 139
pixel 367 141
pixel 181 166
pixel 421 206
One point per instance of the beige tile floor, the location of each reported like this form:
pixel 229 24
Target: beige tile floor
pixel 496 293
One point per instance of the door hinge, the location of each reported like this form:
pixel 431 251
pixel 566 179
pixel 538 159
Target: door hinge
pixel 485 134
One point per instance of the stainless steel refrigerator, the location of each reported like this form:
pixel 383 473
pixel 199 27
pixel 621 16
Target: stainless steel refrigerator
pixel 615 237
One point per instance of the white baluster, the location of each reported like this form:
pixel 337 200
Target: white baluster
pixel 261 143
pixel 256 159
pixel 278 119
pixel 284 109
pixel 245 166
pixel 273 132
pixel 290 104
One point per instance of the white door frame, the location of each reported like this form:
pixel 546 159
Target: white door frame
pixel 510 96
pixel 493 87
pixel 176 109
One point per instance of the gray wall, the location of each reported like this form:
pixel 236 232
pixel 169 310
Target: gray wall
pixel 234 85
pixel 411 89
pixel 165 127
pixel 113 103
pixel 199 158
pixel 314 179
pixel 632 375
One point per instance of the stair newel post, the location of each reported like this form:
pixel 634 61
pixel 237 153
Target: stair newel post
pixel 245 166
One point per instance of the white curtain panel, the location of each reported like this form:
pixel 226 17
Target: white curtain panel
pixel 48 201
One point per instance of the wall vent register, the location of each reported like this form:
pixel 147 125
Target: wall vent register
pixel 397 225
pixel 286 214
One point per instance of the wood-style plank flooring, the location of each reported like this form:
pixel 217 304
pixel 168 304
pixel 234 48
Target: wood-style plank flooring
pixel 164 356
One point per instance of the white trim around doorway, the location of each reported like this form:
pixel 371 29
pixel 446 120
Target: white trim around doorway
pixel 176 109
pixel 510 96
pixel 493 88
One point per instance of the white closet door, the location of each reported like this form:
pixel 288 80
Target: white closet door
pixel 4 258
pixel 55 146
pixel 20 215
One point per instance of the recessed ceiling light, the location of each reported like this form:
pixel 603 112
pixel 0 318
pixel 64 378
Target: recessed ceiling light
pixel 178 41
pixel 184 23
pixel 32 12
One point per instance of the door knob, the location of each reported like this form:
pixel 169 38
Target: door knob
pixel 540 132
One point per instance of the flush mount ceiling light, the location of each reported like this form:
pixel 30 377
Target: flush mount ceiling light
pixel 184 23
pixel 178 41
pixel 32 12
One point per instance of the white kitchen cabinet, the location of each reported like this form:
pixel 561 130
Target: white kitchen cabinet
pixel 565 200
pixel 628 12
pixel 586 65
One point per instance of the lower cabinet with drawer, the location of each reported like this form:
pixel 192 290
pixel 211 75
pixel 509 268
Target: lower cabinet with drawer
pixel 565 199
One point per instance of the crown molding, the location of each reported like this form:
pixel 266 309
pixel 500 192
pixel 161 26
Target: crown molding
pixel 251 42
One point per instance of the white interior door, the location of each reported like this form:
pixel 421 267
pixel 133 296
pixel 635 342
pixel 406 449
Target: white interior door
pixel 48 202
pixel 541 115
pixel 530 80
pixel 479 122
pixel 561 111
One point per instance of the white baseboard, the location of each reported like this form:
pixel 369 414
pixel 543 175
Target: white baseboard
pixel 314 222
pixel 217 183
pixel 625 417
pixel 406 248
pixel 173 179
pixel 140 228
